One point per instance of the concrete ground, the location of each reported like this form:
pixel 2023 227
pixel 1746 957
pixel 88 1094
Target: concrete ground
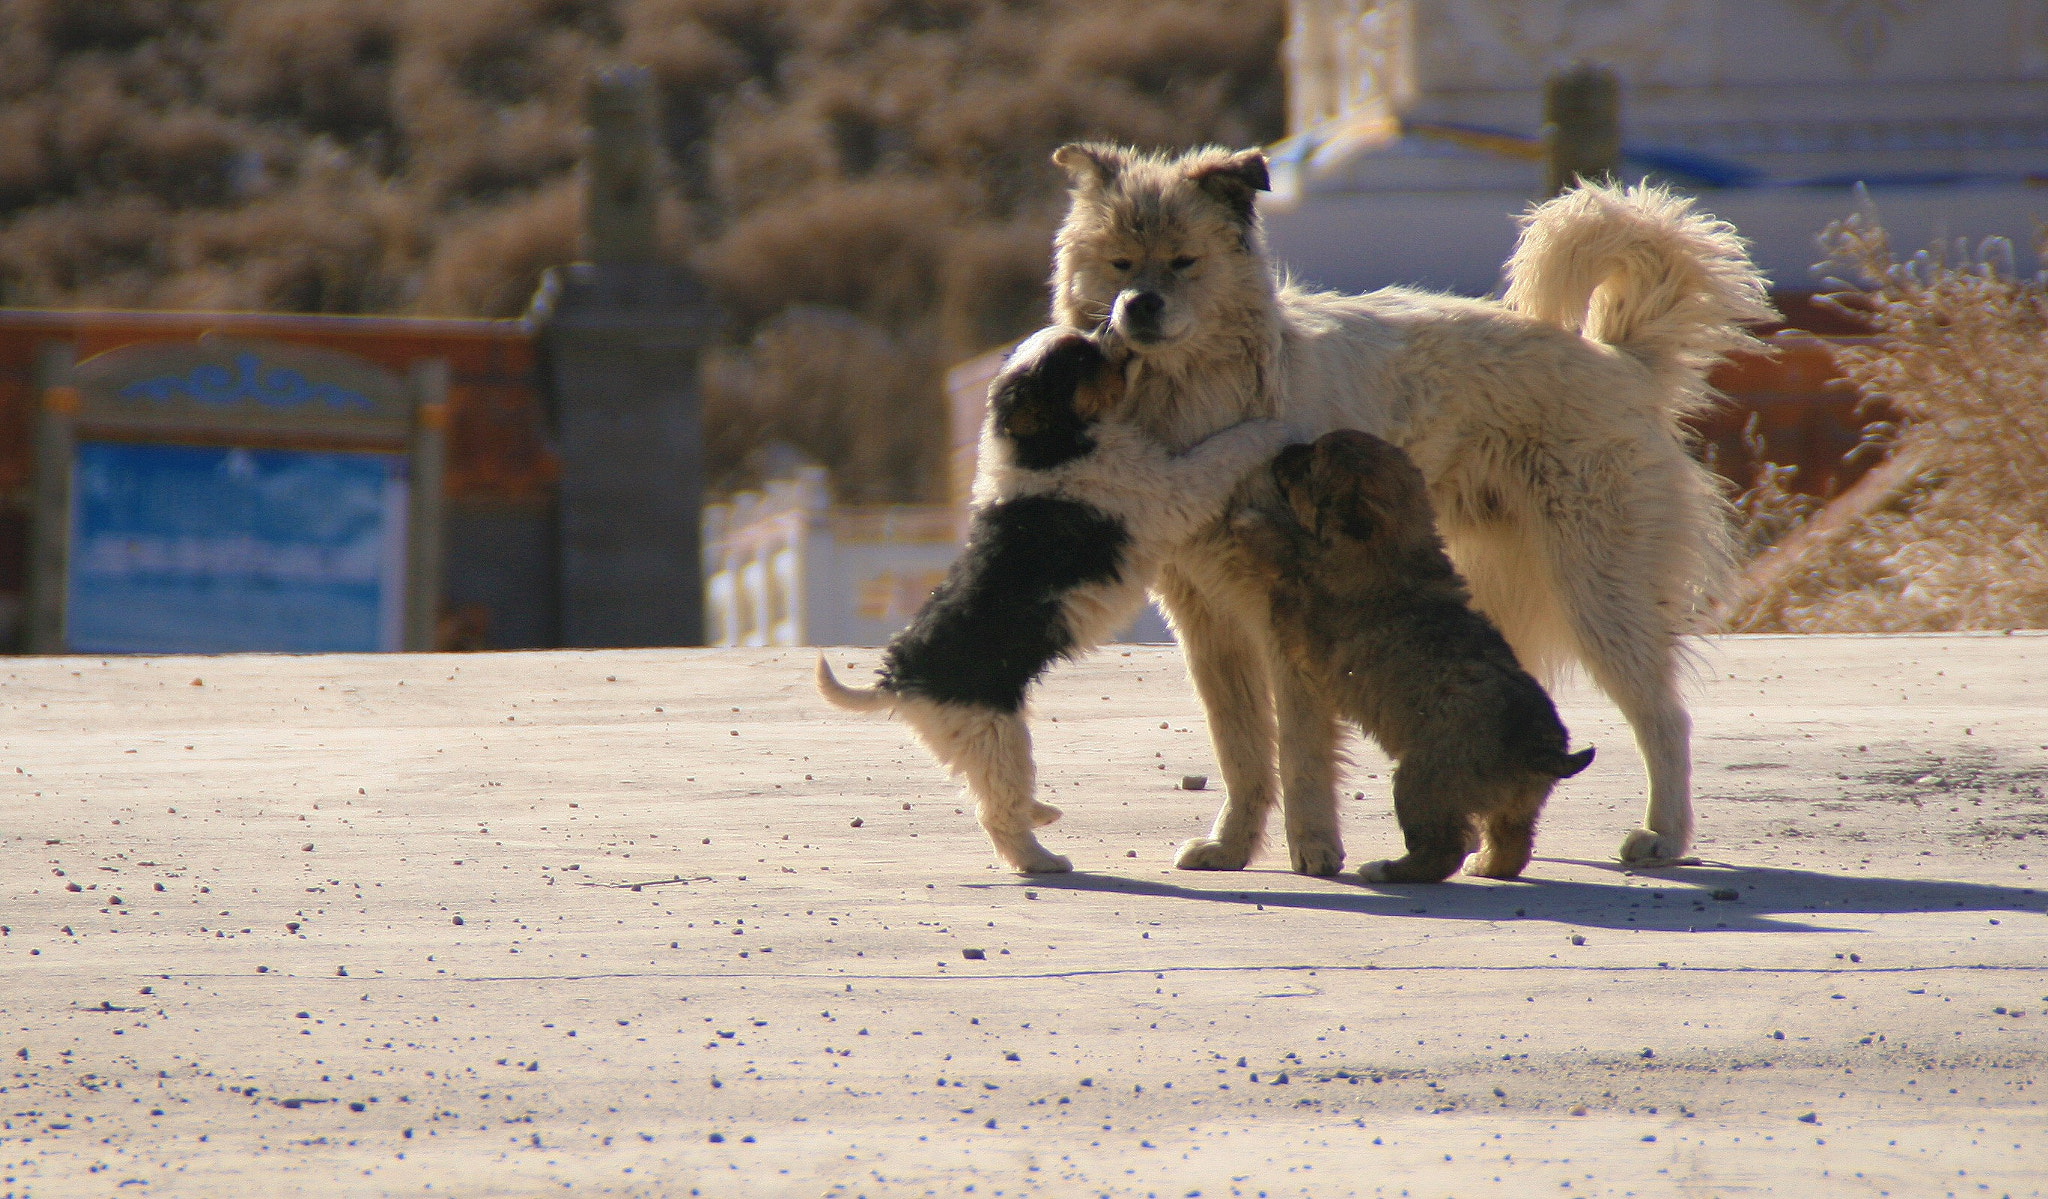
pixel 662 923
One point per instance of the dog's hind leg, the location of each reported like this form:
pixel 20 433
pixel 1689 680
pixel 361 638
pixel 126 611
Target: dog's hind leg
pixel 1591 559
pixel 991 752
pixel 1645 688
pixel 1433 823
pixel 1002 781
pixel 1623 614
pixel 1227 662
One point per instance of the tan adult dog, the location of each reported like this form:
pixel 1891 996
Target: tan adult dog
pixel 1546 424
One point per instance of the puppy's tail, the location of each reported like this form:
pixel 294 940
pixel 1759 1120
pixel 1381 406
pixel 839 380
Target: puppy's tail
pixel 855 699
pixel 1637 268
pixel 1565 766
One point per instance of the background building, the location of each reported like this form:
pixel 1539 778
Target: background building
pixel 1415 125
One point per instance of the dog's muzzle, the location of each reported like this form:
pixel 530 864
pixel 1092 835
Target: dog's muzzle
pixel 1138 314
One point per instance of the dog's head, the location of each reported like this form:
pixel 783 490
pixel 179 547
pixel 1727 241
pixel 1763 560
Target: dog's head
pixel 1050 390
pixel 1157 248
pixel 1355 493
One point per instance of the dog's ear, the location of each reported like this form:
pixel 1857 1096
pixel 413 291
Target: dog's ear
pixel 1090 164
pixel 1329 501
pixel 1234 181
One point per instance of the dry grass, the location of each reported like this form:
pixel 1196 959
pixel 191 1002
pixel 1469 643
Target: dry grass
pixel 818 384
pixel 1961 355
pixel 884 158
pixel 1770 508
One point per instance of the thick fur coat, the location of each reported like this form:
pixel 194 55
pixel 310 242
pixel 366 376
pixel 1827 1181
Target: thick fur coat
pixel 1546 424
pixel 1074 511
pixel 1369 613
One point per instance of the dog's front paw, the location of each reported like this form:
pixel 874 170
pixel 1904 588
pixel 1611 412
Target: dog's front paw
pixel 1207 853
pixel 1319 858
pixel 1644 847
pixel 1044 862
pixel 1043 814
pixel 1375 872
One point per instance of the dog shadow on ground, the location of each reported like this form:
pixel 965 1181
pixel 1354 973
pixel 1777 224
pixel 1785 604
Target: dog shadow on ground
pixel 1710 897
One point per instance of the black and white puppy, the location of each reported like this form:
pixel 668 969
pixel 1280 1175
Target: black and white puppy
pixel 1073 512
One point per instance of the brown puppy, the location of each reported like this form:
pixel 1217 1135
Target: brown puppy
pixel 1368 611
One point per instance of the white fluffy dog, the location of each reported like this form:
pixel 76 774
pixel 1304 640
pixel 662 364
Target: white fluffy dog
pixel 1074 510
pixel 1546 424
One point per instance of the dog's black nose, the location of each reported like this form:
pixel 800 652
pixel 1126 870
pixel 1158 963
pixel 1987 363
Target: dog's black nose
pixel 1145 307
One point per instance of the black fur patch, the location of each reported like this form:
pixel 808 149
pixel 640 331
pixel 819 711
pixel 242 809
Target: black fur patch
pixel 1034 406
pixel 995 624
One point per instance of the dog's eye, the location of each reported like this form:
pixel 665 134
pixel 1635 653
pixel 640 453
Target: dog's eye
pixel 1122 264
pixel 1182 263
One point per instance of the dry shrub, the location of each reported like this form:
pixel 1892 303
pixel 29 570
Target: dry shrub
pixel 492 262
pixel 885 158
pixel 112 255
pixel 1960 353
pixel 867 247
pixel 994 284
pixel 837 389
pixel 1770 508
pixel 488 97
pixel 322 65
pixel 308 250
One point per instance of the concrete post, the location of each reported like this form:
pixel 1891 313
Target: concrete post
pixel 1581 126
pixel 620 339
pixel 622 181
pixel 426 552
pixel 50 531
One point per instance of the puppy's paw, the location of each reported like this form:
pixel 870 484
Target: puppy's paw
pixel 1375 872
pixel 1319 858
pixel 1642 847
pixel 1207 853
pixel 1043 814
pixel 1489 865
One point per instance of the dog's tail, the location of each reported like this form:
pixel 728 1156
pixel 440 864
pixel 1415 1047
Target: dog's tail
pixel 1565 766
pixel 1637 268
pixel 872 699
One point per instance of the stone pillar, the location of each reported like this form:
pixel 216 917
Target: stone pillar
pixel 620 339
pixel 1581 126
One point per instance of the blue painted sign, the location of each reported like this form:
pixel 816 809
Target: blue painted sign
pixel 248 382
pixel 199 549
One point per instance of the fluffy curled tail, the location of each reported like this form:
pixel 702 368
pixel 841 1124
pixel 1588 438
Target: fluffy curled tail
pixel 871 699
pixel 1637 268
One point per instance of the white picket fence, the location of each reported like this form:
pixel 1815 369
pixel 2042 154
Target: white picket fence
pixel 786 567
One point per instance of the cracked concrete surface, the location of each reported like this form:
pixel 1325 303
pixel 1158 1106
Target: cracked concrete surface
pixel 605 923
